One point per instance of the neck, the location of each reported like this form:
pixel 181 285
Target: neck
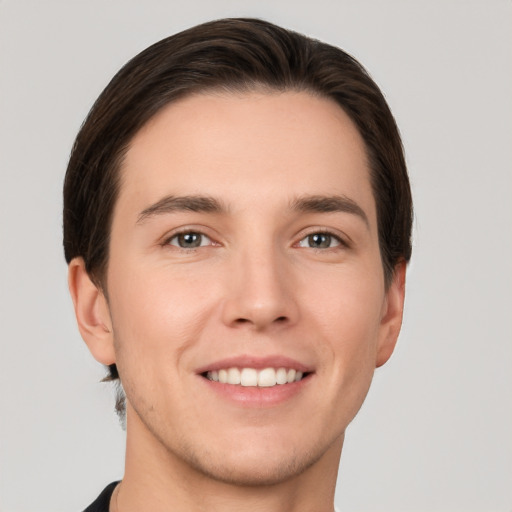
pixel 156 479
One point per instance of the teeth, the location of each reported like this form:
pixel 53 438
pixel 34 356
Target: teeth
pixel 265 378
pixel 233 376
pixel 281 376
pixel 249 377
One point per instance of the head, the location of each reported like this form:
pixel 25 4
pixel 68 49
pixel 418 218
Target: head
pixel 241 67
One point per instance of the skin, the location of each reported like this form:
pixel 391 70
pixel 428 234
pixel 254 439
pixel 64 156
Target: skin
pixel 256 286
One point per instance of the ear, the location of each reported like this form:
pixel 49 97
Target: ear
pixel 92 313
pixel 392 314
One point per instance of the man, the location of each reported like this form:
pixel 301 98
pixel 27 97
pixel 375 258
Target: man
pixel 237 218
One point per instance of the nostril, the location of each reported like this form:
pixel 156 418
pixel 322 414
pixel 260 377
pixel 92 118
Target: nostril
pixel 261 321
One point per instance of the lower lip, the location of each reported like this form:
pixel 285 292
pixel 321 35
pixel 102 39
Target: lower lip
pixel 253 396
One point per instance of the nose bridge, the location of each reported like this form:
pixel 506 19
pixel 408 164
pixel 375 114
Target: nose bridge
pixel 260 287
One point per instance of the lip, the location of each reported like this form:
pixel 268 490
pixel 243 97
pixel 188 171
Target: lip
pixel 258 363
pixel 252 396
pixel 255 396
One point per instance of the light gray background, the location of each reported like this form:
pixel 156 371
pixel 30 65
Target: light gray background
pixel 435 433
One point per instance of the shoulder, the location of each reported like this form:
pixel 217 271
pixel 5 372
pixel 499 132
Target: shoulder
pixel 102 502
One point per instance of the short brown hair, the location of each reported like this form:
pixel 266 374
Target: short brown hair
pixel 234 55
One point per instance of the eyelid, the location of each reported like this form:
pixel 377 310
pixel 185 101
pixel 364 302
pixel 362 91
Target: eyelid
pixel 342 239
pixel 176 235
pixel 183 230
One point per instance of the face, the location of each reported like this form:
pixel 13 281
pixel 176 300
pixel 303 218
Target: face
pixel 245 286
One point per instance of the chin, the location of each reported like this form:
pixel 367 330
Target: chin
pixel 257 471
pixel 252 464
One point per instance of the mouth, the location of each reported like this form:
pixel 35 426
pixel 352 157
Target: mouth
pixel 253 377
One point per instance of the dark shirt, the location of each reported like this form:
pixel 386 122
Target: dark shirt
pixel 103 501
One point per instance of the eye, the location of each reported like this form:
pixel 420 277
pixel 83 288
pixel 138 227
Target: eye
pixel 320 241
pixel 189 240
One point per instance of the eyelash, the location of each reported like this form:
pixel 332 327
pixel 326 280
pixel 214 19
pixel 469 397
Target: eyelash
pixel 176 236
pixel 331 237
pixel 339 242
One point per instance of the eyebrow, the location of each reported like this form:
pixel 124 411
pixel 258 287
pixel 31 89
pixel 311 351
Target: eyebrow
pixel 206 204
pixel 328 204
pixel 170 204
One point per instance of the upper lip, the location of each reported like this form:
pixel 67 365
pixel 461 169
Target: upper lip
pixel 258 363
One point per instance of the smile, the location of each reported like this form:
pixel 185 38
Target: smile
pixel 264 378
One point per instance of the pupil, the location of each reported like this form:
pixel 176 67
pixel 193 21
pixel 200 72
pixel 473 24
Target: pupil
pixel 319 240
pixel 190 240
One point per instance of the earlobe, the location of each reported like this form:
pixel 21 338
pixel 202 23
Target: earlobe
pixel 391 321
pixel 92 313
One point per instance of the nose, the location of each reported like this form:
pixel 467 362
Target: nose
pixel 260 291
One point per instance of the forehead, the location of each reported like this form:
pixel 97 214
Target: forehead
pixel 247 148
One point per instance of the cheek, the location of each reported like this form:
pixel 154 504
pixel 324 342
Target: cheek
pixel 349 302
pixel 156 316
pixel 344 315
pixel 349 315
